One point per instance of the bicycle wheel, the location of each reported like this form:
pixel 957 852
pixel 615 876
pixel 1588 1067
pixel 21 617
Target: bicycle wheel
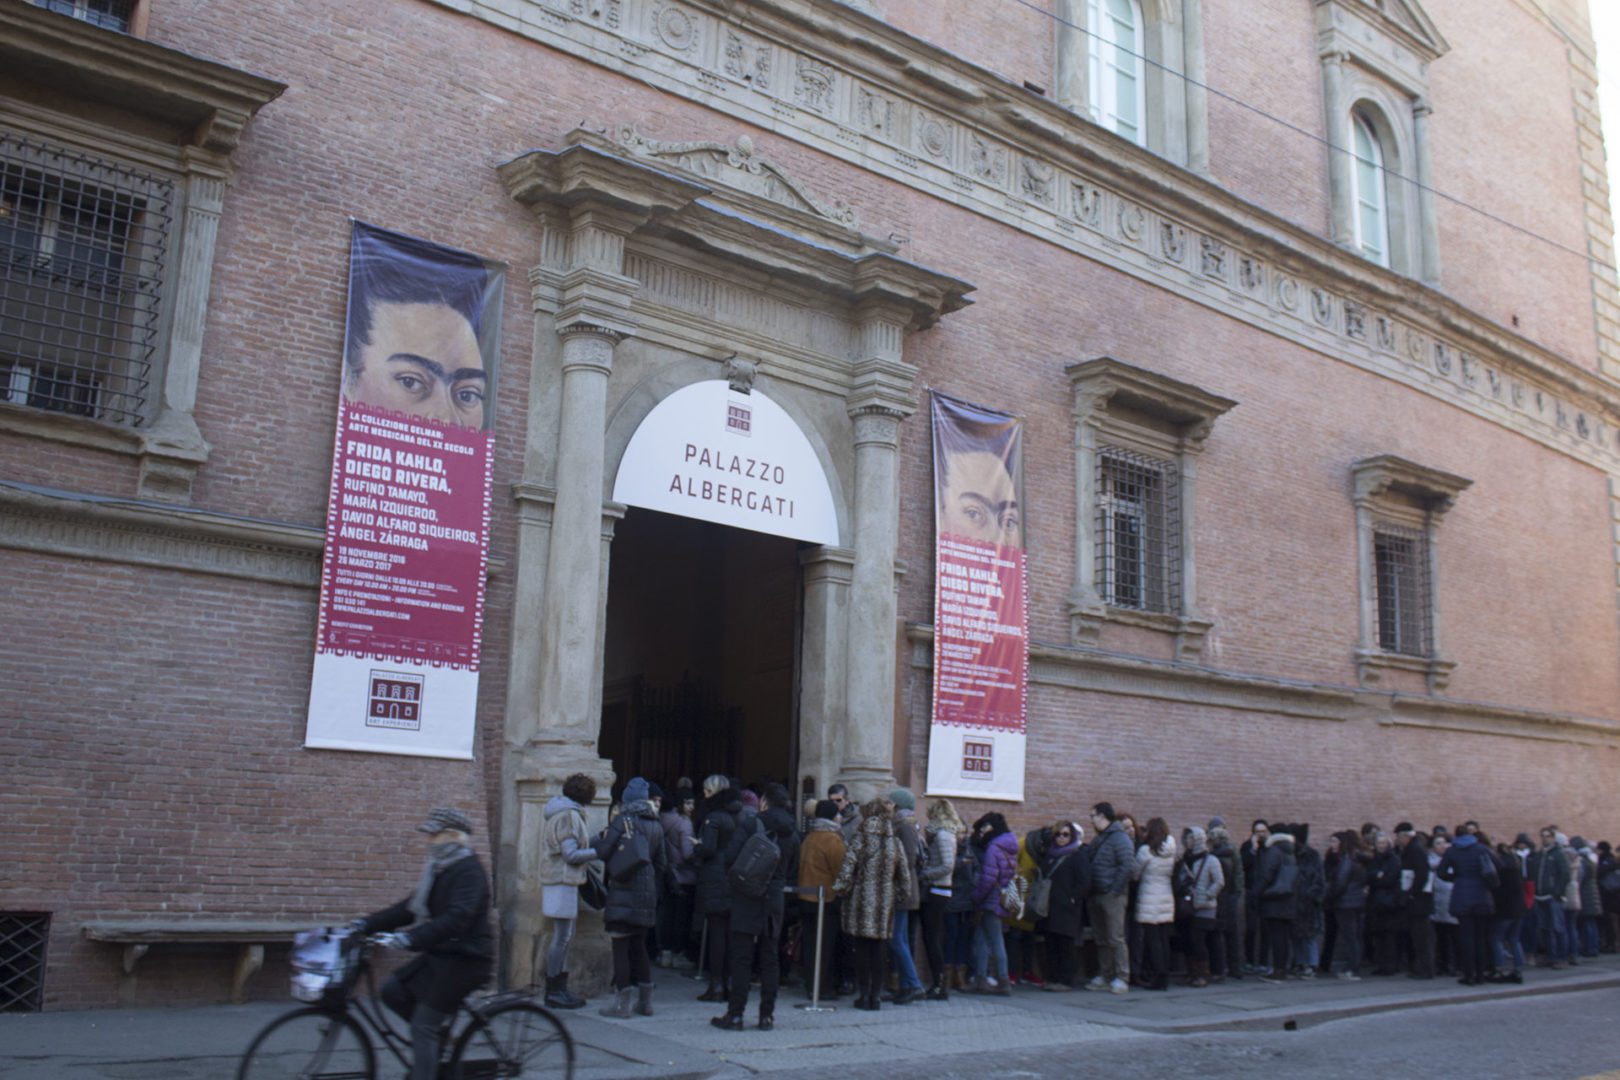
pixel 515 1039
pixel 310 1044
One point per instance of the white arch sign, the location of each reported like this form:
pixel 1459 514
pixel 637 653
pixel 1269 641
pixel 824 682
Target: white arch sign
pixel 710 453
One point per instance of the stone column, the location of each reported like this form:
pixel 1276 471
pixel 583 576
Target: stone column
pixel 1428 231
pixel 1339 161
pixel 823 709
pixel 868 744
pixel 1192 13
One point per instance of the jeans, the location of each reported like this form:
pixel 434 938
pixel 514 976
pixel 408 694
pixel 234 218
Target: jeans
pixel 1587 928
pixel 1550 929
pixel 1506 952
pixel 562 936
pixel 987 943
pixel 900 951
pixel 1347 941
pixel 1108 926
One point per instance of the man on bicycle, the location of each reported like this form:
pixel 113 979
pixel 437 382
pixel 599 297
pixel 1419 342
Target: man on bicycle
pixel 446 921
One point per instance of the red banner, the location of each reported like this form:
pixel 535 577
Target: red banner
pixel 981 604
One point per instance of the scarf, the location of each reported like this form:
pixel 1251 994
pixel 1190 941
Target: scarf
pixel 439 857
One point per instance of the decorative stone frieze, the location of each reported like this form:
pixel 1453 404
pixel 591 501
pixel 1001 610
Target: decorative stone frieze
pixel 921 116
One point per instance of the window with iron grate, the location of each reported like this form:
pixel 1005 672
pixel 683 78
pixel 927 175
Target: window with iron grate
pixel 111 14
pixel 1401 565
pixel 83 246
pixel 23 936
pixel 1138 532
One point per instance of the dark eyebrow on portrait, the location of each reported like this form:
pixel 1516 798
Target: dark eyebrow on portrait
pixel 1010 504
pixel 437 369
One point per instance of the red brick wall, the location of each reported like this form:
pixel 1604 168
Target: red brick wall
pixel 158 715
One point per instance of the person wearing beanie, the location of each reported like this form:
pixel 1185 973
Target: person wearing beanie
pixel 1227 961
pixel 1591 897
pixel 633 847
pixel 445 921
pixel 910 986
pixel 1202 878
pixel 821 854
pixel 1418 899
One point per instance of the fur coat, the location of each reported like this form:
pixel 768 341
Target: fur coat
pixel 874 876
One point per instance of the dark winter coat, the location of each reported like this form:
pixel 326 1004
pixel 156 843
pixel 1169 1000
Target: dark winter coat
pixel 456 948
pixel 1270 871
pixel 1346 882
pixel 633 904
pixel 763 914
pixel 1384 894
pixel 998 864
pixel 1470 869
pixel 1310 889
pixel 1113 860
pixel 964 876
pixel 719 825
pixel 1549 870
pixel 905 828
pixel 1069 870
pixel 1227 905
pixel 1591 895
pixel 1415 857
pixel 1509 892
pixel 1249 860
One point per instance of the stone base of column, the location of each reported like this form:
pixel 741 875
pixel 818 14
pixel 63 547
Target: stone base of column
pixel 535 775
pixel 867 781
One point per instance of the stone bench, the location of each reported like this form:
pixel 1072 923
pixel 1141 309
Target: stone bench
pixel 248 936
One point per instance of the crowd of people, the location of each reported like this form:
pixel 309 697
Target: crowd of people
pixel 729 880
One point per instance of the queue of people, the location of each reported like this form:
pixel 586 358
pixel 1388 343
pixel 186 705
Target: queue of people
pixel 918 904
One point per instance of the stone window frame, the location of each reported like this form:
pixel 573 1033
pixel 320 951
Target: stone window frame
pixel 1175 121
pixel 1375 57
pixel 1390 491
pixel 133 103
pixel 1118 405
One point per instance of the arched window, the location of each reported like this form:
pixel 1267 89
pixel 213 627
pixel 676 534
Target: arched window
pixel 1118 84
pixel 1368 183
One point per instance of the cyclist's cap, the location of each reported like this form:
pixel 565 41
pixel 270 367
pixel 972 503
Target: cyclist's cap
pixel 445 817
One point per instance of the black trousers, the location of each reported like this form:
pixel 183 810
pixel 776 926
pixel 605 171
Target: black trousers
pixel 719 930
pixel 1420 928
pixel 1279 936
pixel 1207 945
pixel 1155 966
pixel 1474 945
pixel 933 928
pixel 743 948
pixel 829 947
pixel 631 966
pixel 408 992
pixel 1059 959
pixel 871 958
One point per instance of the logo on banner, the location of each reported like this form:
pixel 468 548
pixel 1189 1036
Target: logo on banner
pixel 977 759
pixel 396 701
pixel 739 418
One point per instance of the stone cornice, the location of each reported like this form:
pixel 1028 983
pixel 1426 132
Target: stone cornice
pixel 208 102
pixel 1436 490
pixel 844 82
pixel 1102 379
pixel 1096 671
pixel 144 533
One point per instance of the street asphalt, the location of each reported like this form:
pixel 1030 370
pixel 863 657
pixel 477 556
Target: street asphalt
pixel 1559 1024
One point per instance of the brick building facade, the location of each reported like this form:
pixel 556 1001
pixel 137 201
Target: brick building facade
pixel 1373 384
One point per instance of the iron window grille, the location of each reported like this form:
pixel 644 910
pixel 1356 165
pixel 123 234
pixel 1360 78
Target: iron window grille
pixel 1401 558
pixel 111 14
pixel 83 254
pixel 1138 532
pixel 22 960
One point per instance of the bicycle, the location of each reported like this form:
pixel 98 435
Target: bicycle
pixel 503 1035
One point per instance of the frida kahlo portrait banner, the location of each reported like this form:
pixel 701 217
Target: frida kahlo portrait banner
pixel 981 607
pixel 407 524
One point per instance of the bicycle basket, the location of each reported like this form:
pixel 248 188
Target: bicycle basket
pixel 325 965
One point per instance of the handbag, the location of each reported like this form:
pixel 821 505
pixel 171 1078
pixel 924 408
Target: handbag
pixel 593 891
pixel 1039 903
pixel 1610 882
pixel 1014 895
pixel 629 855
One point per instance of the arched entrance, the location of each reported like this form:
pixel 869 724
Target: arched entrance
pixel 705 598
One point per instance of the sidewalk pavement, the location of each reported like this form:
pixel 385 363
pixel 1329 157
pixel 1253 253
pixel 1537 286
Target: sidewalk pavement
pixel 204 1043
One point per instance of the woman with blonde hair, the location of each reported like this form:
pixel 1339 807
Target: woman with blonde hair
pixel 944 825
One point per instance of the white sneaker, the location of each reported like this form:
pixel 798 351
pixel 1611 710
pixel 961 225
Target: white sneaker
pixel 1349 976
pixel 1119 986
pixel 1097 983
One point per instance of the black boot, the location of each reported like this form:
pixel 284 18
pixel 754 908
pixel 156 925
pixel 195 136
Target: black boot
pixel 937 992
pixel 715 992
pixel 557 995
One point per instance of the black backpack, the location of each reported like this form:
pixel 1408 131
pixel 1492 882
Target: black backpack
pixel 750 875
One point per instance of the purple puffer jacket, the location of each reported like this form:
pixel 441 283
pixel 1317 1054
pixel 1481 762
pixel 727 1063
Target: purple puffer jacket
pixel 998 866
